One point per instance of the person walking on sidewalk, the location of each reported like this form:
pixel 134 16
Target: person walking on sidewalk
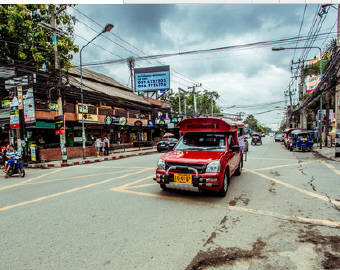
pixel 98 144
pixel 106 146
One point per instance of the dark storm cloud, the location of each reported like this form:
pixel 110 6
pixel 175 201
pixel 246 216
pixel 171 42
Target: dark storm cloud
pixel 139 22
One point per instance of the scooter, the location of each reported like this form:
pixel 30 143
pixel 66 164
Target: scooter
pixel 17 168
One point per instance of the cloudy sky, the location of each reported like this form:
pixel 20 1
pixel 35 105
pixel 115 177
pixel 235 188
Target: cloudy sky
pixel 241 77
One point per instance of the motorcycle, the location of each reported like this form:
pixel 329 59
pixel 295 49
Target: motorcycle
pixel 17 168
pixel 255 139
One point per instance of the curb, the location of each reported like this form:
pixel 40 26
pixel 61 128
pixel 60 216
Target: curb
pixel 75 163
pixel 325 157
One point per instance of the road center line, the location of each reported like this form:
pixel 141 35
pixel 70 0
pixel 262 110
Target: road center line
pixel 68 191
pixel 312 194
pixel 77 177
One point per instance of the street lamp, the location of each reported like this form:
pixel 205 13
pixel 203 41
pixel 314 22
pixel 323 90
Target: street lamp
pixel 320 52
pixel 107 28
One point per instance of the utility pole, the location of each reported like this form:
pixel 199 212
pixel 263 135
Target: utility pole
pixel 337 90
pixel 179 101
pixel 57 69
pixel 194 94
pixel 131 64
pixel 212 107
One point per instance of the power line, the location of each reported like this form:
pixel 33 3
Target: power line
pixel 301 24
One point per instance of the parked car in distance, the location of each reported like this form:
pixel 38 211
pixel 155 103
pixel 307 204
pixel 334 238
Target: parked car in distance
pixel 279 137
pixel 166 144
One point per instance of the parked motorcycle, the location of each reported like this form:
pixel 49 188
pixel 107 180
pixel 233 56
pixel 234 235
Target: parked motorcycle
pixel 17 168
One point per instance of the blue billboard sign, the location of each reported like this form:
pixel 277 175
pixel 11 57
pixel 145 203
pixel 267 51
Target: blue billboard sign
pixel 152 79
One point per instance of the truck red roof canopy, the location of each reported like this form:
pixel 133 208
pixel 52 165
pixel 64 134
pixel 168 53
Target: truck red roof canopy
pixel 206 125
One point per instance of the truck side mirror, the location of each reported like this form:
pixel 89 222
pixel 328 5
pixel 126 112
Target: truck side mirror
pixel 235 148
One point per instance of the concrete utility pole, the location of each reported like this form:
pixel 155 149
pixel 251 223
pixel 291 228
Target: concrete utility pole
pixel 337 87
pixel 179 101
pixel 57 69
pixel 194 94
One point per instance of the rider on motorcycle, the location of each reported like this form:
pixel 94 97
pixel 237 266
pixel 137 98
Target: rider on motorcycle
pixel 11 154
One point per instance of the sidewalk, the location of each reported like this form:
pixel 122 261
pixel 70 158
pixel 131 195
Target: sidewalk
pixel 325 152
pixel 117 154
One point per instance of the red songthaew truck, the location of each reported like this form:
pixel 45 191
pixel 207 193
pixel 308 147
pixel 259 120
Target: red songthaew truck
pixel 206 156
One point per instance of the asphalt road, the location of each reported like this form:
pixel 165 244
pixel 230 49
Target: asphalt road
pixel 281 213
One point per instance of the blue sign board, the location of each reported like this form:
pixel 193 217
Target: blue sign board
pixel 152 79
pixel 151 123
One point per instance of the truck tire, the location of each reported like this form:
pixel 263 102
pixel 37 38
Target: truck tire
pixel 223 191
pixel 163 186
pixel 239 168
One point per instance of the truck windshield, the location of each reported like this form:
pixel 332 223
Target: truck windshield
pixel 202 142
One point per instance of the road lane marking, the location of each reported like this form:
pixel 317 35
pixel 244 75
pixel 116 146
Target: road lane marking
pixel 30 180
pixel 331 167
pixel 145 185
pixel 271 158
pixel 159 196
pixel 309 193
pixel 76 177
pixel 8 207
pixel 323 222
pixel 283 166
pixel 116 167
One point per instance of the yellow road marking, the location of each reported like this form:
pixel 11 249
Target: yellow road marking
pixel 68 191
pixel 116 167
pixel 134 182
pixel 145 185
pixel 232 208
pixel 283 166
pixel 331 167
pixel 30 180
pixel 309 193
pixel 281 216
pixel 76 177
pixel 153 195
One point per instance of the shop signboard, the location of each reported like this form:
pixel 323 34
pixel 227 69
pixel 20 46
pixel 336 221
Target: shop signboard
pixel 138 124
pixel 122 121
pixel 5 103
pixel 59 124
pixel 29 109
pixel 171 125
pixel 88 117
pixel 152 78
pixel 151 123
pixel 14 119
pixel 54 106
pixel 20 98
pixel 33 152
pixel 108 120
pixel 174 120
pixel 161 122
pixel 85 107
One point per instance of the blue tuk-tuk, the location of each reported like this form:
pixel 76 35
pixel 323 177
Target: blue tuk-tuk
pixel 302 141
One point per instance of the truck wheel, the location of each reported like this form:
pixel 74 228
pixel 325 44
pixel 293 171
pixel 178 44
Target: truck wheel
pixel 224 189
pixel 163 186
pixel 239 168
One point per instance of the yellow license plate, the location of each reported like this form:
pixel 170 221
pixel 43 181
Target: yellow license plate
pixel 304 139
pixel 183 178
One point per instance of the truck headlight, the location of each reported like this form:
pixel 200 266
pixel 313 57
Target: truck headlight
pixel 161 164
pixel 214 167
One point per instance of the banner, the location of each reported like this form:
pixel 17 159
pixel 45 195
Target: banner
pixel 29 109
pixel 152 78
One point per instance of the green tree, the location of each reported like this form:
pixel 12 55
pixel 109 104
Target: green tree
pixel 205 101
pixel 24 41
